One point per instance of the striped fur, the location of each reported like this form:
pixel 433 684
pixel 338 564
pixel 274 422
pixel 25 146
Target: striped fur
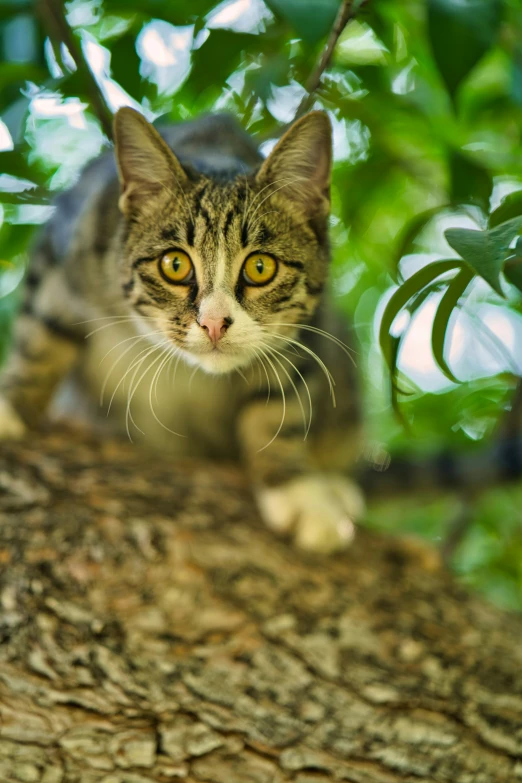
pixel 98 309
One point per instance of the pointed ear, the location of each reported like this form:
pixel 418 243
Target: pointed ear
pixel 300 164
pixel 146 164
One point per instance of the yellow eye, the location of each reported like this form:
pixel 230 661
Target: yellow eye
pixel 176 267
pixel 259 269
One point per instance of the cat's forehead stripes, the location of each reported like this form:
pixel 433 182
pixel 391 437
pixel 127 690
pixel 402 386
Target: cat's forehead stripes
pixel 218 217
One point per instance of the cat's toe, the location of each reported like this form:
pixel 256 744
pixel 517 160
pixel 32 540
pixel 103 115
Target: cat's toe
pixel 278 508
pixel 326 531
pixel 11 425
pixel 321 511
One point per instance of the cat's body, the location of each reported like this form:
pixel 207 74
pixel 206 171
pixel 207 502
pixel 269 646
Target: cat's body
pixel 200 355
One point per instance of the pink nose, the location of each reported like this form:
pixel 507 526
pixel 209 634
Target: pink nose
pixel 215 327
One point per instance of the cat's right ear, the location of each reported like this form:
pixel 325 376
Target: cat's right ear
pixel 146 164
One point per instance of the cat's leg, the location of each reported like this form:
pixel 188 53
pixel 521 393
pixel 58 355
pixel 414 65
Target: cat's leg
pixel 45 344
pixel 319 507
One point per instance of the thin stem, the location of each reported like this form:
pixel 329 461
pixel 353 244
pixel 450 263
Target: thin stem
pixel 346 12
pixel 52 14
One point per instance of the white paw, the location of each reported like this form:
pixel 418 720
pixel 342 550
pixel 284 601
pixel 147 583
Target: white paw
pixel 11 425
pixel 320 510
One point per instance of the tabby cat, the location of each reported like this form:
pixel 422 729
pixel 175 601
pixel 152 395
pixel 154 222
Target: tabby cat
pixel 182 287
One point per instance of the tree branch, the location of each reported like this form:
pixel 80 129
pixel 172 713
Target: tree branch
pixel 52 13
pixel 347 12
pixel 151 629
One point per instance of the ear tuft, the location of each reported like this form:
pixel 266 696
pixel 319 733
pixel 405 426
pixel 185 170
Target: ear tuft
pixel 146 164
pixel 300 164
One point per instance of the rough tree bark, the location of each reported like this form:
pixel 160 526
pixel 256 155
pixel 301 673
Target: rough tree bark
pixel 152 630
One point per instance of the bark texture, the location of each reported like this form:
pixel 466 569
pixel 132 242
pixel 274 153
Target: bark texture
pixel 152 631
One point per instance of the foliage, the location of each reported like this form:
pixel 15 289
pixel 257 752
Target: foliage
pixel 425 98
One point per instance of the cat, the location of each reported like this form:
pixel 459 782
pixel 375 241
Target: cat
pixel 183 280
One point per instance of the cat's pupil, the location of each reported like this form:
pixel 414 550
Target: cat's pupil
pixel 259 266
pixel 176 264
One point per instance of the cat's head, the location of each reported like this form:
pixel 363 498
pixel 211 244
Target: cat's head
pixel 222 268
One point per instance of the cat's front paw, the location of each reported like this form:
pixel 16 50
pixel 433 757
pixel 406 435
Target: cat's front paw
pixel 11 425
pixel 320 510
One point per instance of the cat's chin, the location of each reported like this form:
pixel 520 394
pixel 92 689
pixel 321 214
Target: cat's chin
pixel 216 362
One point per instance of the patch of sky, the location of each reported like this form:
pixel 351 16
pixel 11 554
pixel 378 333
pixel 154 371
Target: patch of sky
pixel 27 214
pixel 165 52
pixel 50 58
pixel 351 139
pixel 483 340
pixel 404 81
pixel 6 142
pixel 502 187
pixel 99 59
pixel 284 101
pixel 83 13
pixel 242 16
pixel 62 136
pixel 10 184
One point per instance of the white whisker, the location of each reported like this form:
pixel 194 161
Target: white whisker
pixel 303 381
pixel 242 375
pixel 134 339
pixel 346 348
pixel 291 182
pixel 274 370
pixel 263 365
pixel 272 353
pixel 147 351
pixel 128 317
pixel 107 326
pixel 322 365
pixel 253 226
pixel 192 374
pixel 258 195
pixel 154 386
pixel 134 388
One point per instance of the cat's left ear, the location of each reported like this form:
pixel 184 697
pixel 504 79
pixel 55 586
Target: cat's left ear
pixel 299 166
pixel 146 164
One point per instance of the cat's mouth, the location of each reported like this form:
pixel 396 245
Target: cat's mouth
pixel 216 359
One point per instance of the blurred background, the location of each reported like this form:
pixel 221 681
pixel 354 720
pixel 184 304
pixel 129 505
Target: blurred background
pixel 425 98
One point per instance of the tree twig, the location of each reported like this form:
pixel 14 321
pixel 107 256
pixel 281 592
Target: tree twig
pixel 52 13
pixel 346 12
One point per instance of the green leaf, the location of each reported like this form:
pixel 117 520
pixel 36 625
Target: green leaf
pixel 219 55
pixel 485 251
pixel 125 64
pixel 513 270
pixel 402 296
pixel 9 8
pixel 39 196
pixel 15 239
pixel 461 32
pixel 510 207
pixel 516 77
pixel 471 183
pixel 395 390
pixel 19 73
pixel 448 303
pixel 413 229
pixel 311 19
pixel 178 12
